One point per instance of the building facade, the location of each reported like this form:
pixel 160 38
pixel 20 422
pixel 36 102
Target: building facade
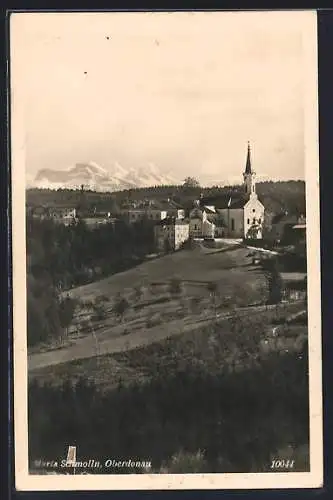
pixel 152 210
pixel 170 234
pixel 200 226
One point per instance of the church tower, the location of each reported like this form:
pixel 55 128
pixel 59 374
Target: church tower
pixel 249 175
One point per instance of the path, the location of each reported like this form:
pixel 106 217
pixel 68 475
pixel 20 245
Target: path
pixel 86 347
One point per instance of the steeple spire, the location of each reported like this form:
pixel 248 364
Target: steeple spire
pixel 248 168
pixel 249 175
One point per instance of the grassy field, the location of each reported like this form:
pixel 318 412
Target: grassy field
pixel 157 311
pixel 237 342
pixel 158 314
pixel 230 267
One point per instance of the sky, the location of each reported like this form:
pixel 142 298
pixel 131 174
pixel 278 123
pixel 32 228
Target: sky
pixel 184 91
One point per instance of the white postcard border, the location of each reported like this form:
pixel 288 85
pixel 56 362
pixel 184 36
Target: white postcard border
pixel 312 479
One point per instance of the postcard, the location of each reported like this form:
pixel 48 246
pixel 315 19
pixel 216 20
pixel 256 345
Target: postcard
pixel 166 250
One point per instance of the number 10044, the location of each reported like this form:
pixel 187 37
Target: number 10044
pixel 282 464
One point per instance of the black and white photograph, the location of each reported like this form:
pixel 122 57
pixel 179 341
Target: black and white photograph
pixel 166 250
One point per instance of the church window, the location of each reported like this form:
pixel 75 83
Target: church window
pixel 253 210
pixel 232 224
pixel 259 221
pixel 254 220
pixel 248 221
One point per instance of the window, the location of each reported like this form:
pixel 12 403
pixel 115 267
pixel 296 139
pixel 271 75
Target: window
pixel 248 221
pixel 253 210
pixel 254 220
pixel 259 221
pixel 232 224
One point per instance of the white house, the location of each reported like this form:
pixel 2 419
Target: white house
pixel 200 226
pixel 170 234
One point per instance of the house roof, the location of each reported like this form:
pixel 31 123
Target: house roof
pixel 284 218
pixel 209 209
pixel 153 205
pixel 232 200
pixel 169 221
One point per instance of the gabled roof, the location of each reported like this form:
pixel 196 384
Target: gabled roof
pixel 284 218
pixel 209 209
pixel 231 200
pixel 169 221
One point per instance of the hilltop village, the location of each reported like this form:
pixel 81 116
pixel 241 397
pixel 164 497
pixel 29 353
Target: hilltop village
pixel 238 214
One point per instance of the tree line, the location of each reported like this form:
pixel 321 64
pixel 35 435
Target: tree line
pixel 60 257
pixel 235 420
pixel 276 196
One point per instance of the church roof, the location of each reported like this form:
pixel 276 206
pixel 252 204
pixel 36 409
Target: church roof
pixel 230 200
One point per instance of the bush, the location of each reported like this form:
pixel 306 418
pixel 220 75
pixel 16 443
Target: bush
pixel 154 320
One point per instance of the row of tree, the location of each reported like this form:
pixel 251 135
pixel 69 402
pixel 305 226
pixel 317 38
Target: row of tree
pixel 276 196
pixel 60 257
pixel 236 419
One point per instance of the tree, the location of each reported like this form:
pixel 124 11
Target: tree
pixel 274 283
pixel 121 306
pixel 99 311
pixel 138 293
pixel 66 313
pixel 195 303
pixel 191 182
pixel 167 246
pixel 175 287
pixel 212 287
pixel 253 232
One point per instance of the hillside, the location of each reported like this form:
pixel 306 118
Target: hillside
pixel 153 303
pixel 184 376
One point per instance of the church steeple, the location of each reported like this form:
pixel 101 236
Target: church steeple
pixel 249 175
pixel 248 168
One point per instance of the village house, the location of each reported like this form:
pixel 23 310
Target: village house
pixel 287 228
pixel 294 286
pixel 151 210
pixel 64 215
pixel 200 226
pixel 170 233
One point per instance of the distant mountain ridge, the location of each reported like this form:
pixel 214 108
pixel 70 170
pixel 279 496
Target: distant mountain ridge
pixel 93 176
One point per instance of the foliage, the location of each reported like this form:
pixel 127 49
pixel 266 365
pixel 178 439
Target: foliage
pixel 191 182
pixel 177 412
pixel 120 307
pixel 274 281
pixel 175 287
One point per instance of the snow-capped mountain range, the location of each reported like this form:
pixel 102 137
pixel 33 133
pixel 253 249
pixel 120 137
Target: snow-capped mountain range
pixel 93 176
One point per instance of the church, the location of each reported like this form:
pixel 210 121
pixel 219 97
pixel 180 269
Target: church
pixel 238 214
